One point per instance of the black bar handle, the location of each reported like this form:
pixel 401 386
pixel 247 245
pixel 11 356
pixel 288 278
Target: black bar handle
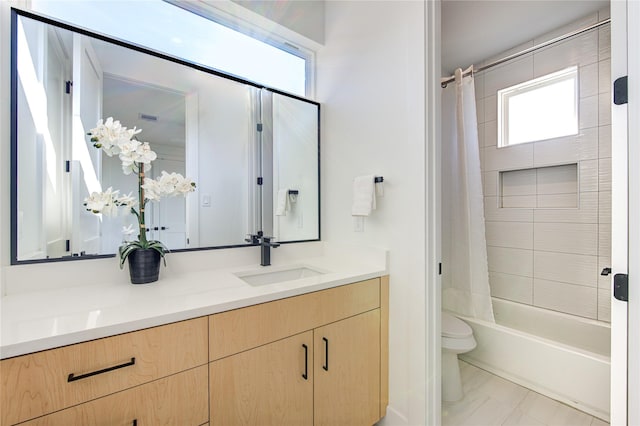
pixel 325 367
pixel 73 378
pixel 306 362
pixel 135 422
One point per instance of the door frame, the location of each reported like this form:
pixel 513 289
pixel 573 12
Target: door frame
pixel 625 233
pixel 431 347
pixel 633 325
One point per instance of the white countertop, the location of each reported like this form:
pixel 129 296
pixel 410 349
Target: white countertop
pixel 55 316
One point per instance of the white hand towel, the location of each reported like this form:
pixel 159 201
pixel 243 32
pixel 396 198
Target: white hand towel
pixel 364 196
pixel 282 206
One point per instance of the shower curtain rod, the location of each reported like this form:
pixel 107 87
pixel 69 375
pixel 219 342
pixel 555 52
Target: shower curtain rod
pixel 530 49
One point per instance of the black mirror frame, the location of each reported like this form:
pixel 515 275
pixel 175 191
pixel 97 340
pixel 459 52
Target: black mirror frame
pixel 15 13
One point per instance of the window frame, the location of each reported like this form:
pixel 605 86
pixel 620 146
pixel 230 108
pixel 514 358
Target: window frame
pixel 504 95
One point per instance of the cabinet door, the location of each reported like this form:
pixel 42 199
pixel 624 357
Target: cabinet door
pixel 265 386
pixel 180 399
pixel 347 371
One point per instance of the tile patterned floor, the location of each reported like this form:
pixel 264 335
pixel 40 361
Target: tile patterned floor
pixel 493 401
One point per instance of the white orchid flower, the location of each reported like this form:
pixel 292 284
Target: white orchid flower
pixel 94 203
pixel 108 202
pixel 127 156
pixel 152 189
pixel 126 201
pixel 110 136
pixel 167 182
pixel 184 186
pixel 103 202
pixel 145 154
pixel 167 185
pixel 134 152
pixel 132 132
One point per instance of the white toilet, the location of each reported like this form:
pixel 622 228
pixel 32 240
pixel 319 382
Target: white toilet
pixel 457 338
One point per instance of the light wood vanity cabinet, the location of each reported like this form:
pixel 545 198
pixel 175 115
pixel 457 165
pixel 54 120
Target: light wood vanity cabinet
pixel 265 385
pixel 347 371
pixel 261 365
pixel 44 382
pixel 315 359
pixel 180 399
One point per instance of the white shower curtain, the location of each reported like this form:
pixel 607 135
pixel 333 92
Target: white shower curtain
pixel 465 276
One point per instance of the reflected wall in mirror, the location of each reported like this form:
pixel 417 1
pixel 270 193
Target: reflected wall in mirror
pixel 199 122
pixel 295 146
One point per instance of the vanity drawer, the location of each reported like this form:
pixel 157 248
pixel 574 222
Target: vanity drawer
pixel 181 399
pixel 241 329
pixel 40 383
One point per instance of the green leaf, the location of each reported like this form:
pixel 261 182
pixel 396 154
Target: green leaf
pixel 126 249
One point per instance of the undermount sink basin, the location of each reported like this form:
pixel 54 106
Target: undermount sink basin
pixel 258 278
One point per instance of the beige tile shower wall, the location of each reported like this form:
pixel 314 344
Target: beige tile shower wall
pixel 552 257
pixel 541 187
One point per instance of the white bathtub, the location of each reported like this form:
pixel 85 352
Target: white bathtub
pixel 564 357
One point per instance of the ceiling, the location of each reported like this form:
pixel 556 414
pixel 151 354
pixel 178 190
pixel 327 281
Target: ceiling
pixel 160 113
pixel 475 30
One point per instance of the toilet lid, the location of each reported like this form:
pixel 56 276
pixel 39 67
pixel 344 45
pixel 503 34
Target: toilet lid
pixel 454 327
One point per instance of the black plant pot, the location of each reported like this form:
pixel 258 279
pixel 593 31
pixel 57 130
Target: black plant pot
pixel 144 266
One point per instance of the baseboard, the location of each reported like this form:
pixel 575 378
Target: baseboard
pixel 393 418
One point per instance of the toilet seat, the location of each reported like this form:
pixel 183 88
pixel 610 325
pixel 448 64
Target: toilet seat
pixel 454 328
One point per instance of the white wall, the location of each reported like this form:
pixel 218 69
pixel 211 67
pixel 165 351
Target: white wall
pixel 371 84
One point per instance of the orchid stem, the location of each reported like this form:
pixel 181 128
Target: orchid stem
pixel 143 227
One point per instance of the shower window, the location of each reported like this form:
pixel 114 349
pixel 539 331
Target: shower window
pixel 539 109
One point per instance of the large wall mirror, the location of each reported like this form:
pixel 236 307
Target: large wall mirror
pixel 253 152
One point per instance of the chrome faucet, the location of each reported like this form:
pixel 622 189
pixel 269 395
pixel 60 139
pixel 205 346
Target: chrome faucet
pixel 265 244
